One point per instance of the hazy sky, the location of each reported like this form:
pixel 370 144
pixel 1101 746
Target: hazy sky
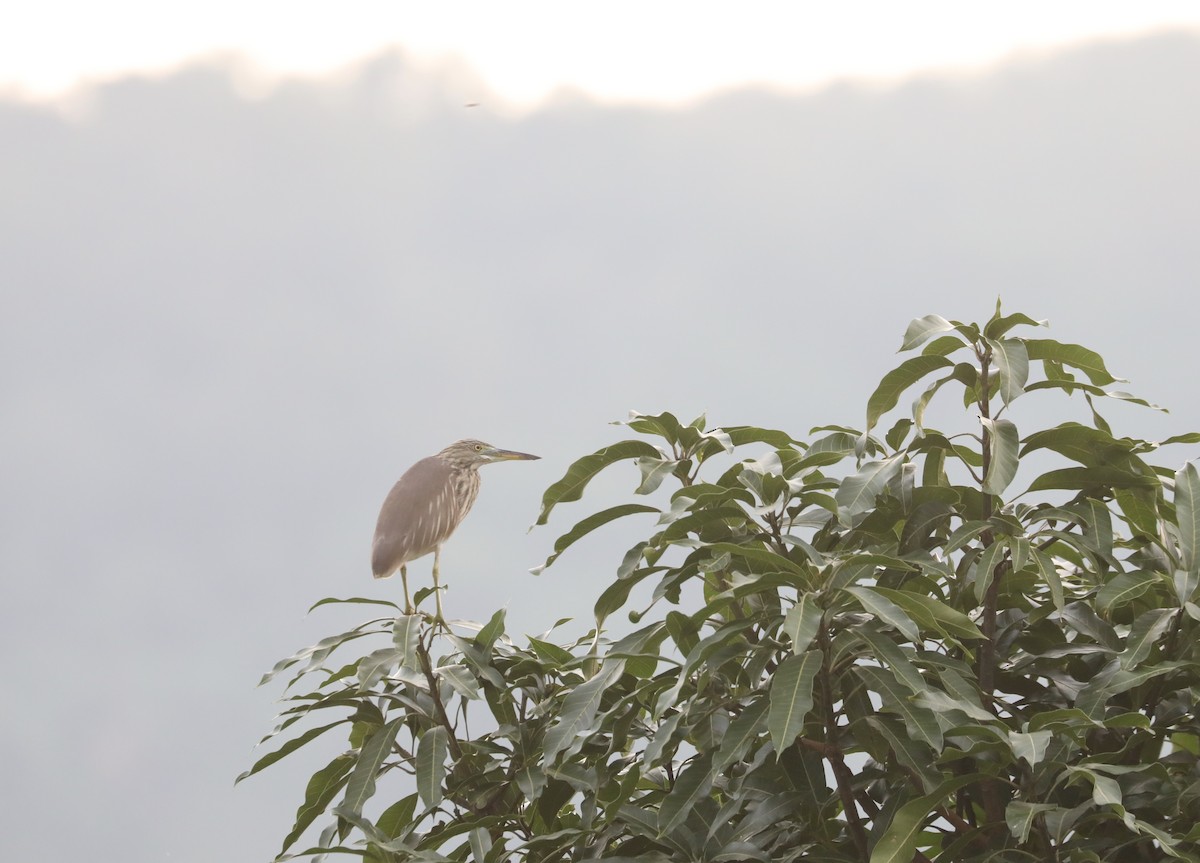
pixel 230 322
pixel 524 51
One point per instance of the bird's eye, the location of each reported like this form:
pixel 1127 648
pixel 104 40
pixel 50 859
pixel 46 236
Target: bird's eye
pixel 478 447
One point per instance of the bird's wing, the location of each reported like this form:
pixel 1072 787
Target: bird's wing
pixel 417 516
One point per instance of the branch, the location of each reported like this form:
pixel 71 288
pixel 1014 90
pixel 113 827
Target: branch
pixel 438 707
pixel 833 752
pixel 993 807
pixel 959 823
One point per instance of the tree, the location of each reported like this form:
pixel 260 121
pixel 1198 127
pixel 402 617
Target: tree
pixel 857 647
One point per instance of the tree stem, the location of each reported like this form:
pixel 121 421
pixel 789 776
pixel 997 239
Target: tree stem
pixel 993 806
pixel 439 708
pixel 833 752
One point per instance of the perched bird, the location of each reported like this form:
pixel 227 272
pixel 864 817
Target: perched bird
pixel 426 505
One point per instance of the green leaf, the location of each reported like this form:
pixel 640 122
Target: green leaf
pixel 322 788
pixel 942 703
pixel 914 754
pixel 1187 513
pixel 1190 437
pixel 431 765
pixel 578 475
pixel 690 787
pixel 933 613
pixel 1124 680
pixel 962 372
pixel 1059 721
pixel 764 815
pixel 921 329
pixel 481 844
pixel 899 842
pixel 1090 390
pixel 1049 572
pixel 318 652
pixel 922 723
pixel 1087 361
pixel 886 610
pixel 617 594
pixel 377 665
pixel 841 442
pixel 492 630
pixel 1081 617
pixel 1097 530
pixel 998 326
pixel 1030 745
pixel 654 470
pixel 460 679
pixel 531 780
pixel 1140 508
pixel 579 710
pixel 406 636
pixel 552 653
pixel 965 533
pixel 814 556
pixel 664 736
pixel 899 379
pixel 985 567
pixel 1003 443
pixel 857 493
pixel 587 525
pixel 347 819
pixel 1019 816
pixel 665 425
pixel 396 817
pixel 1147 630
pixel 1100 422
pixel 900 660
pixel 1098 535
pixel 1166 841
pixel 1122 589
pixel 1012 361
pixel 771 561
pixel 802 622
pixel 944 346
pixel 354 600
pixel 374 752
pixel 1072 478
pixel 1105 790
pixel 791 698
pixel 741 435
pixel 1084 444
pixel 898 433
pixel 684 631
pixel 742 731
pixel 288 748
pixel 1105 685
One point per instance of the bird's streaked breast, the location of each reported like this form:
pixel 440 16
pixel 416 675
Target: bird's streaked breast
pixel 420 512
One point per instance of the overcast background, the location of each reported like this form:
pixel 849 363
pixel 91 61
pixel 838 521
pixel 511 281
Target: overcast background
pixel 229 323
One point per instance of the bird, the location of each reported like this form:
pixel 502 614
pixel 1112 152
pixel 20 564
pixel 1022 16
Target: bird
pixel 426 505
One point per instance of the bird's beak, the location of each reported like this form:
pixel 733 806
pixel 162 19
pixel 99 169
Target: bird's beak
pixel 510 455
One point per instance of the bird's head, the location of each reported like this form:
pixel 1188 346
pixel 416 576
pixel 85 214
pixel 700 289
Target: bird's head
pixel 472 453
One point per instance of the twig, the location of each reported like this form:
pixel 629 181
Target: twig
pixel 833 752
pixel 992 806
pixel 439 708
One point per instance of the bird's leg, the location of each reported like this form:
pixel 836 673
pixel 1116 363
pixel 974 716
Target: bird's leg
pixel 437 588
pixel 408 606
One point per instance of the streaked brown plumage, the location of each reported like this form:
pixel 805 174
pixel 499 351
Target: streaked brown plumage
pixel 426 505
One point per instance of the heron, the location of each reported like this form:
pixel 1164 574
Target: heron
pixel 426 505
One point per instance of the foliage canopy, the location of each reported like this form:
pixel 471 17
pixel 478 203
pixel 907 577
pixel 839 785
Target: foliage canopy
pixel 908 646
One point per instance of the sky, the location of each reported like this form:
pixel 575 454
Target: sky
pixel 234 313
pixel 523 52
